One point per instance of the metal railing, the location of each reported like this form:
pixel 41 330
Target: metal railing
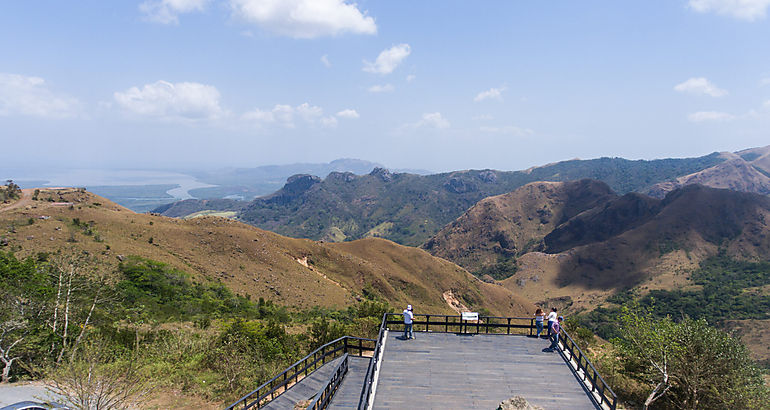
pixel 325 394
pixel 595 381
pixel 600 391
pixel 299 370
pixel 374 363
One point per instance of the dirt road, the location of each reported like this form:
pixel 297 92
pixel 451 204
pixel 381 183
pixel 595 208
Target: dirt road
pixel 26 199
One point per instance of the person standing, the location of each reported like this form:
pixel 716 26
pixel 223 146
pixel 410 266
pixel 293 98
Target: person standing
pixel 408 319
pixel 539 317
pixel 555 330
pixel 551 320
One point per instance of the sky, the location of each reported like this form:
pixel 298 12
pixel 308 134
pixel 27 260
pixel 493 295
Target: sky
pixel 437 85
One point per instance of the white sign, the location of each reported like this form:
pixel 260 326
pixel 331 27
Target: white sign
pixel 470 315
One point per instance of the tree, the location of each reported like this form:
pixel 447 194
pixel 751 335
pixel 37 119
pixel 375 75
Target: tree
pixel 649 348
pixel 714 370
pixel 688 364
pixel 22 296
pixel 95 379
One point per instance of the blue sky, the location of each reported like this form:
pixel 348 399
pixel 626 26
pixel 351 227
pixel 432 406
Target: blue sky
pixel 410 84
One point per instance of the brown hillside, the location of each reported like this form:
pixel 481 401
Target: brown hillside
pixel 758 157
pixel 692 224
pixel 736 174
pixel 503 226
pixel 295 272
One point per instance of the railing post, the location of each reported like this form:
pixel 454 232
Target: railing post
pixel 427 322
pixel 446 324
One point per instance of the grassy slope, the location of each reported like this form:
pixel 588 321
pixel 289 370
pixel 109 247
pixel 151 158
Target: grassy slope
pixel 505 226
pixel 248 260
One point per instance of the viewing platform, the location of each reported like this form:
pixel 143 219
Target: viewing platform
pixel 450 364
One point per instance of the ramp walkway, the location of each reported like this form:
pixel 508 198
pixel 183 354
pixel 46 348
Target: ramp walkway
pixel 465 371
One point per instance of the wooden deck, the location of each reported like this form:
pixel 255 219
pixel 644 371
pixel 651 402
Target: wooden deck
pixel 450 371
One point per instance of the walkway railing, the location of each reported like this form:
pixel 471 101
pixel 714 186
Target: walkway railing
pixel 374 363
pixel 299 370
pixel 324 396
pixel 586 371
pixel 601 393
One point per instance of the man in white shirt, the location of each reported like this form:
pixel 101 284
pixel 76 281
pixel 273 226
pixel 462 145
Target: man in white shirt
pixel 408 319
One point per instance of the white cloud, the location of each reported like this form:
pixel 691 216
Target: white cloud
pixel 490 94
pixel 700 86
pixel 305 18
pixel 702 116
pixel 483 117
pixel 508 130
pixel 410 78
pixel 434 120
pixel 388 59
pixel 191 101
pixel 765 81
pixel 168 11
pixel 348 113
pixel 286 115
pixel 742 9
pixel 325 61
pixel 29 96
pixel 330 122
pixel 384 88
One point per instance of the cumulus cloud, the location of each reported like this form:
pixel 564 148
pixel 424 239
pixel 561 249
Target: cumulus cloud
pixel 168 11
pixel 483 117
pixel 287 116
pixel 765 81
pixel 380 88
pixel 749 10
pixel 702 116
pixel 305 18
pixel 165 100
pixel 348 113
pixel 508 130
pixel 388 60
pixel 325 61
pixel 410 78
pixel 490 94
pixel 700 86
pixel 29 96
pixel 433 120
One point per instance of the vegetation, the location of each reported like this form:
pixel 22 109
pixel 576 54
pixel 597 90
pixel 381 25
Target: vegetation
pixel 149 325
pixel 9 191
pixel 727 292
pixel 686 364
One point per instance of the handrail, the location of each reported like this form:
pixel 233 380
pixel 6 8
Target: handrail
pixel 255 399
pixel 484 325
pixel 325 394
pixel 366 389
pixel 599 388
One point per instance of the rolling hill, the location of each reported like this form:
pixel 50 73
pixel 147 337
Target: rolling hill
pixel 409 209
pixel 587 253
pixel 299 273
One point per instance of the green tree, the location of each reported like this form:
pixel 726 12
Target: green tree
pixel 714 370
pixel 649 349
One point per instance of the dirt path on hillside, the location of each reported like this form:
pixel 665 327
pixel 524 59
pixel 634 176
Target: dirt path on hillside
pixel 454 303
pixel 26 199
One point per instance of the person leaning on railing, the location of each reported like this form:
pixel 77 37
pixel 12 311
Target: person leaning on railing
pixel 555 330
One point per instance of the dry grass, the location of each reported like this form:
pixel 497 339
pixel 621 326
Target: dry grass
pixel 250 261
